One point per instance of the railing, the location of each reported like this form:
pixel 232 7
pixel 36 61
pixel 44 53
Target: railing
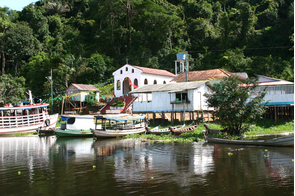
pixel 179 102
pixel 21 121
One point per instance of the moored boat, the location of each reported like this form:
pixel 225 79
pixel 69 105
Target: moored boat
pixel 75 126
pixel 158 131
pixel 285 141
pixel 27 118
pixel 183 130
pixel 118 126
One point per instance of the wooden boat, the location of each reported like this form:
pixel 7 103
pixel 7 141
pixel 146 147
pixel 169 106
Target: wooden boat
pixel 26 118
pixel 183 130
pixel 286 141
pixel 208 130
pixel 159 131
pixel 117 126
pixel 75 126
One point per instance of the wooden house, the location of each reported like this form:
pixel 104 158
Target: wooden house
pixel 76 95
pixel 78 92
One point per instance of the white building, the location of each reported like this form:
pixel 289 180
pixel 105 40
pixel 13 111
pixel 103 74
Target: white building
pixel 279 92
pixel 172 97
pixel 129 77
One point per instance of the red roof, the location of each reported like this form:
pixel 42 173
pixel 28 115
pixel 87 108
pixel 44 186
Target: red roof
pixel 85 87
pixel 213 74
pixel 161 72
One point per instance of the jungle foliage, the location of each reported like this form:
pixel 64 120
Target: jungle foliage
pixel 84 41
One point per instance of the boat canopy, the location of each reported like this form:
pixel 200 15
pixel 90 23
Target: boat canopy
pixel 25 107
pixel 120 118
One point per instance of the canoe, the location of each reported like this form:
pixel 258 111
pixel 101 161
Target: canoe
pixel 119 126
pixel 286 141
pixel 159 131
pixel 183 130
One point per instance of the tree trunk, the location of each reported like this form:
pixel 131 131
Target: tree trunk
pixel 3 58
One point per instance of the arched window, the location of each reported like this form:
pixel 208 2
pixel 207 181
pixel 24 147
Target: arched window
pixel 121 72
pixel 126 68
pixel 135 82
pixel 145 81
pixel 132 70
pixel 164 82
pixel 155 81
pixel 118 85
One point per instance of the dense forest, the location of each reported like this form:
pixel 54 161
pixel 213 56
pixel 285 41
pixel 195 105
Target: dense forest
pixel 84 41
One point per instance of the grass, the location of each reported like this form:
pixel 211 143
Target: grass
pixel 24 134
pixel 261 127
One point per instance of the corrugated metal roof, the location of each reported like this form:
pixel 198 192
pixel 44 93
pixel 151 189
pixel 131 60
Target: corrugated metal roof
pixel 280 82
pixel 85 87
pixel 171 87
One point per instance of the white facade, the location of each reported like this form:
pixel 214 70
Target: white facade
pixel 165 101
pixel 137 78
pixel 278 94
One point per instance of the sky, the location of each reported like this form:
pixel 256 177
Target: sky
pixel 16 4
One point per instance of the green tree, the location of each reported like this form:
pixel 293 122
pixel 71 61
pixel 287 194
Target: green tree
pixel 5 23
pixel 12 89
pixel 234 104
pixel 20 45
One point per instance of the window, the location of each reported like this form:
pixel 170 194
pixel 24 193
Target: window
pixel 135 82
pixel 118 85
pixel 121 72
pixel 126 68
pixel 164 82
pixel 71 121
pixel 155 81
pixel 181 97
pixel 145 81
pixel 132 70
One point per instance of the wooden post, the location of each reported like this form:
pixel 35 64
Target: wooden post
pixel 154 116
pixel 62 106
pixel 202 116
pixel 193 116
pixel 276 114
pixel 163 117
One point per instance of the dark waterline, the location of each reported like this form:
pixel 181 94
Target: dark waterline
pixel 50 166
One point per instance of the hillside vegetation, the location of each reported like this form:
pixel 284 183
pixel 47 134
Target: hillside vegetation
pixel 84 41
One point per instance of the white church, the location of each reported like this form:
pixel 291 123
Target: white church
pixel 130 77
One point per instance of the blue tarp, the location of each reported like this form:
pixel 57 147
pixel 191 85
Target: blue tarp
pixel 65 118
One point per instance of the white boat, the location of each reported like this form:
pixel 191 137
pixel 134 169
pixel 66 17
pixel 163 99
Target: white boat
pixel 117 126
pixel 75 126
pixel 167 130
pixel 27 118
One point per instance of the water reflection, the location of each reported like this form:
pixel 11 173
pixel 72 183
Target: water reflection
pixel 63 166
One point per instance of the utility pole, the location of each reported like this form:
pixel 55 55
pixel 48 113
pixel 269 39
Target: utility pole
pixel 51 80
pixel 186 66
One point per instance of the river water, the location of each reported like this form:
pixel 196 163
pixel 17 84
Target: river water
pixel 58 166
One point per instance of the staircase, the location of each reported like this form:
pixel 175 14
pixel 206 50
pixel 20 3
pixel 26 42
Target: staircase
pixel 128 99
